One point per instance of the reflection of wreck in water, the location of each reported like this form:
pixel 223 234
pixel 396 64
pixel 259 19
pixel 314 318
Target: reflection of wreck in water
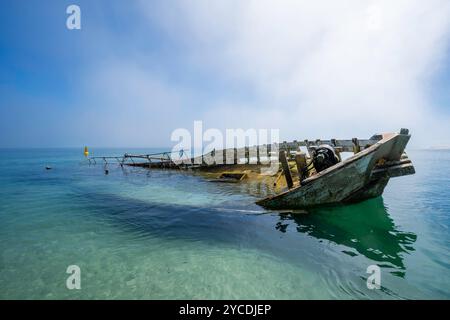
pixel 364 227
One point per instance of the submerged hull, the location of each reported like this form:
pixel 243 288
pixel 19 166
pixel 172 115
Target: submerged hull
pixel 362 176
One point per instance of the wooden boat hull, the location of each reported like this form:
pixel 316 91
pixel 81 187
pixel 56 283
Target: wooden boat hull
pixel 362 176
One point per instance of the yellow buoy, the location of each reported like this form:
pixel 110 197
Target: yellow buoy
pixel 86 151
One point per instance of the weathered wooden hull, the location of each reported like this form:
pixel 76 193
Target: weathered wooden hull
pixel 362 176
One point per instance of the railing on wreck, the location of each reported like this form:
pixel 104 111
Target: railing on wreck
pixel 266 152
pixel 129 159
pixel 258 153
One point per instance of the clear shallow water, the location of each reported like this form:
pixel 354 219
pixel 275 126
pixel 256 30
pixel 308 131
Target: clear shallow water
pixel 164 235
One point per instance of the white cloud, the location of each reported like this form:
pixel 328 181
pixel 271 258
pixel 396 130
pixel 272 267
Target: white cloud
pixel 322 68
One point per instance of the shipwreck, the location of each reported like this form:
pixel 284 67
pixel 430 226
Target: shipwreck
pixel 300 174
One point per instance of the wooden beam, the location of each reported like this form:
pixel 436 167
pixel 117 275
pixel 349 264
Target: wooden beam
pixel 258 158
pixel 247 155
pixel 286 170
pixel 300 160
pixel 356 146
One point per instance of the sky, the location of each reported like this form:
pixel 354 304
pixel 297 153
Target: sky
pixel 138 70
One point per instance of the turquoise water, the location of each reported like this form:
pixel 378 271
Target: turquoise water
pixel 139 234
